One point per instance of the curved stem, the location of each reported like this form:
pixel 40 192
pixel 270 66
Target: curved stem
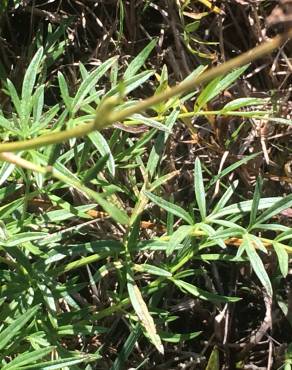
pixel 105 116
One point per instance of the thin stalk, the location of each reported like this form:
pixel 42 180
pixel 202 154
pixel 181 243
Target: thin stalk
pixel 191 114
pixel 49 170
pixel 106 116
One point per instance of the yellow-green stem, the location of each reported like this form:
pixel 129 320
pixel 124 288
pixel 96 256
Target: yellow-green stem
pixel 105 116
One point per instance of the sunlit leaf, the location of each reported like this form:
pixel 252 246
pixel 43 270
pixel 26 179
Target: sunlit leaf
pixel 199 189
pixel 256 263
pixel 143 314
pixel 139 60
pixel 173 208
pixel 283 258
pixel 16 326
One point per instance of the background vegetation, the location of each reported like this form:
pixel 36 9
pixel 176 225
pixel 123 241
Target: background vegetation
pixel 162 241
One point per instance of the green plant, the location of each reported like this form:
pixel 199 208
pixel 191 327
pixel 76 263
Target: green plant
pixel 44 271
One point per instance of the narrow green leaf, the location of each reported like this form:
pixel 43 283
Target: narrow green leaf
pixel 159 145
pixel 219 257
pixel 196 72
pixel 202 294
pixel 27 358
pixel 63 214
pixel 49 298
pixel 209 230
pixel 241 103
pixel 29 82
pixel 30 76
pixel 257 263
pixel 89 82
pixel 258 243
pixel 192 27
pixel 139 60
pixel 138 118
pixel 232 167
pixel 14 97
pixel 5 171
pixel 177 237
pixel 275 209
pixel 199 189
pixel 81 329
pixel 102 146
pixel 116 213
pixel 150 269
pixel 225 197
pixel 229 225
pixel 243 207
pixel 45 120
pixel 114 74
pixel 255 202
pixel 38 103
pixel 283 258
pixel 215 87
pixel 142 312
pixel 64 91
pixel 127 348
pixel 220 236
pixel 61 363
pixel 23 238
pixel 177 338
pixel 273 227
pixel 162 180
pixel 12 330
pixel 131 83
pixel 207 93
pixel 287 234
pixel 8 125
pixel 281 121
pixel 169 207
pixel 92 172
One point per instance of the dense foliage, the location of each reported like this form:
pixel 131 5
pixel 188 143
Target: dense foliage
pixel 161 240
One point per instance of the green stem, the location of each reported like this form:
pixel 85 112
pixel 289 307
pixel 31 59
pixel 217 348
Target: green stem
pixel 113 211
pixel 242 114
pixel 105 116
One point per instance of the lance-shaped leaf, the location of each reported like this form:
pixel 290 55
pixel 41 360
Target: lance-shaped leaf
pixel 142 312
pixel 256 263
